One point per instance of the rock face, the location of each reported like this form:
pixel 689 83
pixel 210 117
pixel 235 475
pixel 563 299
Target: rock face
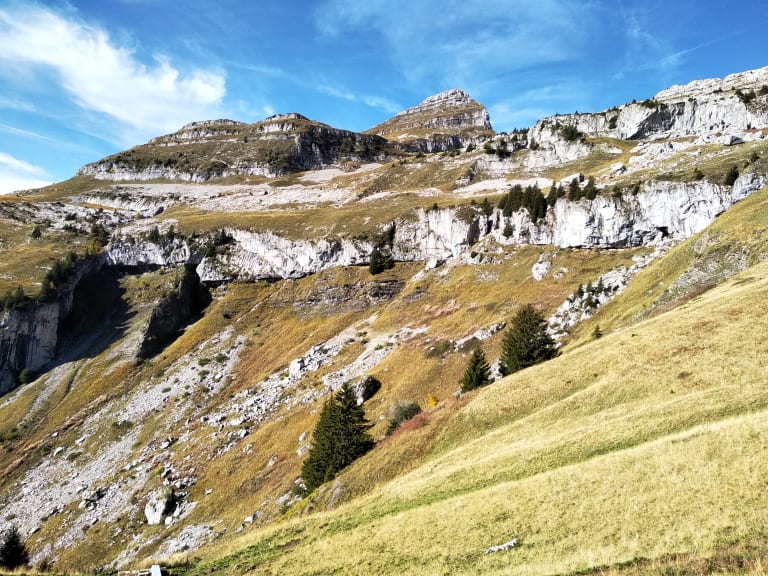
pixel 29 335
pixel 730 105
pixel 658 211
pixel 173 312
pixel 447 120
pixel 202 151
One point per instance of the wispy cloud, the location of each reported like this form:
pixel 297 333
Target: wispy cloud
pixel 17 174
pixel 16 104
pixel 458 42
pixel 342 93
pixel 649 51
pixel 526 107
pixel 321 86
pixel 103 77
pixel 21 132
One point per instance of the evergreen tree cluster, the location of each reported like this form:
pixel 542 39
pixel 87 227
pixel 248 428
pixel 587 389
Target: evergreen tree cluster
pixel 589 295
pixel 340 437
pixel 525 343
pixel 57 274
pixel 576 192
pixel 380 258
pixel 380 261
pixel 555 193
pixel 569 132
pixel 478 373
pixel 13 299
pixel 13 551
pixel 529 198
pixel 216 244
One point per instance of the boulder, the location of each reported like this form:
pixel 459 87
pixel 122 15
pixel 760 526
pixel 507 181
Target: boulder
pixel 160 504
pixel 366 388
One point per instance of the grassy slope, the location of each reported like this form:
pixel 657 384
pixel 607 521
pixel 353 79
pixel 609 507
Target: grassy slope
pixel 647 443
pixel 737 237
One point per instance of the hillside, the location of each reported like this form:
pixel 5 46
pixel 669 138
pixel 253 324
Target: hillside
pixel 174 317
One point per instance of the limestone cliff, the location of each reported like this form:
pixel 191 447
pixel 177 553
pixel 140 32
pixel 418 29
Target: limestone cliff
pixel 202 151
pixel 733 105
pixel 29 334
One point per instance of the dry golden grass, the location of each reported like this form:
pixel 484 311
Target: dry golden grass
pixel 741 231
pixel 640 444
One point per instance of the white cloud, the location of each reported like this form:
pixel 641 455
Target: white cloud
pixel 17 174
pixel 102 77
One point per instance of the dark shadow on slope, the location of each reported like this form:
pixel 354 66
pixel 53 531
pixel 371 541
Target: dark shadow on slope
pixel 98 318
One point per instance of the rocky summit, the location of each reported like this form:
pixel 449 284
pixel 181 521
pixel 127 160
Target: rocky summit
pixel 447 120
pixel 176 319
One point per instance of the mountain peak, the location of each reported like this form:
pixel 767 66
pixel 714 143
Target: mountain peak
pixel 452 113
pixel 454 96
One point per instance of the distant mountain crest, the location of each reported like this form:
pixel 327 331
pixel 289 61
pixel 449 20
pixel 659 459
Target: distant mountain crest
pixel 449 119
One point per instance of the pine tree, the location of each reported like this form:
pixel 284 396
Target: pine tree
pixel 478 373
pixel 526 342
pixel 574 191
pixel 340 437
pixel 13 551
pixel 380 260
pixel 590 190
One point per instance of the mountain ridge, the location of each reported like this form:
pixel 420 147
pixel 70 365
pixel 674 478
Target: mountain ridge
pixel 603 233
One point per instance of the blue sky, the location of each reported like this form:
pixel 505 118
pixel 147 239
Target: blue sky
pixel 81 79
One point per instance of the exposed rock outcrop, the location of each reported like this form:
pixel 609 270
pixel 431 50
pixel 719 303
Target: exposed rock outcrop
pixel 173 312
pixel 445 121
pixel 202 151
pixel 160 504
pixel 734 104
pixel 660 210
pixel 29 334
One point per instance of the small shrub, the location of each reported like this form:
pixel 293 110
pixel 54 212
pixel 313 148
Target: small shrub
pixel 400 414
pixel 25 376
pixel 36 233
pixel 731 175
pixel 570 133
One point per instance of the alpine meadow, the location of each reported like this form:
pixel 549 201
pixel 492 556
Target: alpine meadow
pixel 283 347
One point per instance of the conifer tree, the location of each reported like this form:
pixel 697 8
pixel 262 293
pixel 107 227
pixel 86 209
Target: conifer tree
pixel 590 190
pixel 478 373
pixel 526 342
pixel 340 437
pixel 574 190
pixel 13 551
